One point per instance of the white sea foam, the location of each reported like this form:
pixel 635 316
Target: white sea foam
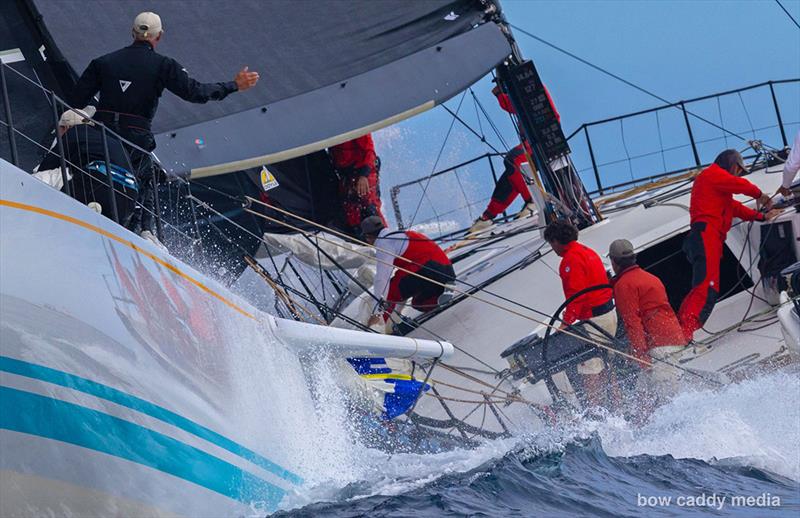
pixel 752 423
pixel 755 423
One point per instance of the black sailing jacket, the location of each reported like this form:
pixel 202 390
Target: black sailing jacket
pixel 131 80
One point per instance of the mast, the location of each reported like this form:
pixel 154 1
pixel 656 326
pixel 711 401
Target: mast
pixel 538 124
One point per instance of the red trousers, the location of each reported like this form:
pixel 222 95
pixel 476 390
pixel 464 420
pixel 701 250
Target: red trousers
pixel 703 247
pixel 356 207
pixel 424 295
pixel 509 185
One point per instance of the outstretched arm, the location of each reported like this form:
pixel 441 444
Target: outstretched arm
pixel 177 80
pixel 736 185
pixel 746 213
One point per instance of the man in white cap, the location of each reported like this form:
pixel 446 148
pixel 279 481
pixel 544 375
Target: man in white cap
pixel 130 82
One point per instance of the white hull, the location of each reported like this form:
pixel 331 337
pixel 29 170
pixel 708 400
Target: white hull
pixel 132 385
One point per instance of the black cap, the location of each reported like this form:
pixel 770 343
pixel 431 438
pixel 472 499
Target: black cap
pixel 372 225
pixel 728 158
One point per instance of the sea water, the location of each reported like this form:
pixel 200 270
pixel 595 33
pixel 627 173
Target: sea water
pixel 731 451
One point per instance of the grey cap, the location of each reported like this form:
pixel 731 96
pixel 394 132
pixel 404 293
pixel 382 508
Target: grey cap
pixel 372 225
pixel 728 158
pixel 621 249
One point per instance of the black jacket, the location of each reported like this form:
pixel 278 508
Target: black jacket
pixel 131 80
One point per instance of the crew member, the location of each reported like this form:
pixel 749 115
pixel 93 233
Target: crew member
pixel 130 82
pixel 649 321
pixel 791 167
pixel 408 251
pixel 512 182
pixel 358 168
pixel 711 210
pixel 582 268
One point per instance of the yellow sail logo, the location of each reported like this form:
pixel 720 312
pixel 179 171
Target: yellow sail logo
pixel 268 180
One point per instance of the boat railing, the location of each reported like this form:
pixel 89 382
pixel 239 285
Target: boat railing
pixel 426 186
pixel 58 148
pixel 670 139
pixel 684 135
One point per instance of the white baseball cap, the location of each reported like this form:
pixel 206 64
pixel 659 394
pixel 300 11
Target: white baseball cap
pixel 147 24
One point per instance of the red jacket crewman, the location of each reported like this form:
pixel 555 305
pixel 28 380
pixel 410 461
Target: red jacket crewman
pixel 359 183
pixel 406 251
pixel 512 182
pixel 712 209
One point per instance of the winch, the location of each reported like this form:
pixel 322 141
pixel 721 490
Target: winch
pixel 535 358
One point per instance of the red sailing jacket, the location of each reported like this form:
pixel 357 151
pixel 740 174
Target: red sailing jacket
pixel 357 154
pixel 419 251
pixel 712 199
pixel 582 268
pixel 643 306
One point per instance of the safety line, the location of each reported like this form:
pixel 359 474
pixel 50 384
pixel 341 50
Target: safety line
pixel 460 292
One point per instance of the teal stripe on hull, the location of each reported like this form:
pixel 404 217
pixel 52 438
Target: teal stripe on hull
pixel 58 420
pixel 64 379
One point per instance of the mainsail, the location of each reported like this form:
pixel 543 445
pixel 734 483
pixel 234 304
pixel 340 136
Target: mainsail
pixel 319 86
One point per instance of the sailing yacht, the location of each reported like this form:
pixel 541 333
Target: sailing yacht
pixel 138 382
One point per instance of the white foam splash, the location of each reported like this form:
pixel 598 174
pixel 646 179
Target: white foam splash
pixel 754 423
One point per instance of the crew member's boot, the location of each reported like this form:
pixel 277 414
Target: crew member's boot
pixel 480 225
pixel 528 210
pixel 149 236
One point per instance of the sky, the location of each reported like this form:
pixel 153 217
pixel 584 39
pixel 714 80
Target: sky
pixel 675 49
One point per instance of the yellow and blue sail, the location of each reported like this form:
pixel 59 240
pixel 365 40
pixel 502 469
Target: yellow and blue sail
pixel 400 389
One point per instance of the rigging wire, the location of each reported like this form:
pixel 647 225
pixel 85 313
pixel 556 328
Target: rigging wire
pixel 625 146
pixel 477 114
pixel 747 114
pixel 721 121
pixel 460 292
pixel 490 121
pixel 623 80
pixel 438 157
pixel 661 142
pixel 788 13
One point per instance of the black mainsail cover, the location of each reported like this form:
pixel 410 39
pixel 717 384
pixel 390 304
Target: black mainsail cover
pixel 331 69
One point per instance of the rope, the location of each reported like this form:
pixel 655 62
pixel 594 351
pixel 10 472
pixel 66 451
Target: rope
pixel 363 243
pixel 437 283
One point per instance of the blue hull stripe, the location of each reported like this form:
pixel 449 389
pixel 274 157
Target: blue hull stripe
pixel 33 414
pixel 40 372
